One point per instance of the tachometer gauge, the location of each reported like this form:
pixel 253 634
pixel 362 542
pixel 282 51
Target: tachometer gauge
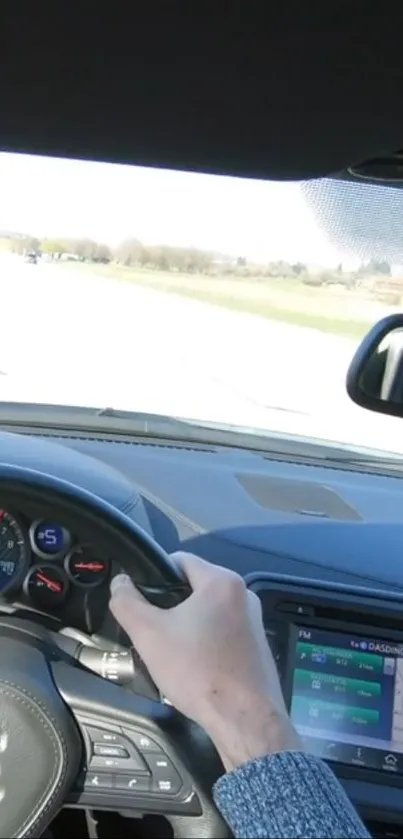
pixel 14 551
pixel 84 570
pixel 49 540
pixel 46 586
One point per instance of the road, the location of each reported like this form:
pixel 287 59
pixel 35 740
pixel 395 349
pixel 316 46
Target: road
pixel 67 337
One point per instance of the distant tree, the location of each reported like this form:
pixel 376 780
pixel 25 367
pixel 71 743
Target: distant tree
pixel 163 257
pixel 380 267
pixel 144 256
pixel 128 252
pixel 375 266
pixel 101 253
pixel 53 247
pixel 280 269
pixel 329 278
pixel 25 243
pixel 298 268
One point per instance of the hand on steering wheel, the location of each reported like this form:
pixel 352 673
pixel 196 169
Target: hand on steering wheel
pixel 209 657
pixel 69 736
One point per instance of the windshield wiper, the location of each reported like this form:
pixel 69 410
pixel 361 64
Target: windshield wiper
pixel 81 418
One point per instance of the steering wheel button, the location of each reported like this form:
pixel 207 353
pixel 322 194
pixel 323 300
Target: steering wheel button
pixel 167 785
pixel 98 735
pixel 142 741
pixel 165 778
pixel 162 763
pixel 118 764
pixel 106 750
pixel 101 781
pixel 132 783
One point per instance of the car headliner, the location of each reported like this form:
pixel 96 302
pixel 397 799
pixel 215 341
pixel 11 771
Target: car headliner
pixel 287 92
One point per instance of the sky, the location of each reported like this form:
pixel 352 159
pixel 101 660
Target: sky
pixel 260 220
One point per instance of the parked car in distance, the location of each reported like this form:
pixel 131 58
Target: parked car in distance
pixel 31 257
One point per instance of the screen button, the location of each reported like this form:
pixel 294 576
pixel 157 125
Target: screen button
pixel 390 763
pixel 327 749
pixel 331 750
pixel 362 756
pixel 358 756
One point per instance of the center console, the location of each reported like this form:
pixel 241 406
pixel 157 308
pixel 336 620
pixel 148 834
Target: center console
pixel 339 653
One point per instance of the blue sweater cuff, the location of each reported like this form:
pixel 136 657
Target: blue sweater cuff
pixel 286 795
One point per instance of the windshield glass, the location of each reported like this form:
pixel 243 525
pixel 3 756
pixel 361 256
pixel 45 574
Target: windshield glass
pixel 195 296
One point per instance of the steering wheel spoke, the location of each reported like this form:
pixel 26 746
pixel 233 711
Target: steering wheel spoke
pixel 130 757
pixel 140 755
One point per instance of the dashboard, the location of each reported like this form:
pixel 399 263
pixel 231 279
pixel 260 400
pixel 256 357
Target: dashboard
pixel 320 545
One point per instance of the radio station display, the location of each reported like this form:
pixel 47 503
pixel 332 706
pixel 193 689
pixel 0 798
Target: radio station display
pixel 347 698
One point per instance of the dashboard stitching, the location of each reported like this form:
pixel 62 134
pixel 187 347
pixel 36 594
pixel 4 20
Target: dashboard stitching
pixel 166 508
pixel 130 504
pixel 15 694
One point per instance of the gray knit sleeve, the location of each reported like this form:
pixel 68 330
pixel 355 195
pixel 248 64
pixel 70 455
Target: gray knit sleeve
pixel 286 795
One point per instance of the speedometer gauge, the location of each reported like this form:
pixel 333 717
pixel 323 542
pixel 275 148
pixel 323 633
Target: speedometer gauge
pixel 13 551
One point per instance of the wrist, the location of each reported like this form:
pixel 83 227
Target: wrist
pixel 252 734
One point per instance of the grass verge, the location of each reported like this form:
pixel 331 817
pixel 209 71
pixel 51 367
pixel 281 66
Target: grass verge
pixel 287 306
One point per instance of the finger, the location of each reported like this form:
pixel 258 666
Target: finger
pixel 129 607
pixel 196 570
pixel 122 586
pixel 255 602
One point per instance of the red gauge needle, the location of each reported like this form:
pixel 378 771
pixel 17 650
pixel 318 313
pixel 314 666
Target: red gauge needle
pixel 52 584
pixel 90 566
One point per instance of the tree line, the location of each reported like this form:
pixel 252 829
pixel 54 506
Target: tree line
pixel 133 253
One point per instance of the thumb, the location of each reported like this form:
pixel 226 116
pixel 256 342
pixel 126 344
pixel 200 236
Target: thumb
pixel 130 608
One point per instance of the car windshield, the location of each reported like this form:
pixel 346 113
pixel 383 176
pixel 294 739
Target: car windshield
pixel 201 297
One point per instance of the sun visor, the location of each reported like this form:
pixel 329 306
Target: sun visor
pixel 285 92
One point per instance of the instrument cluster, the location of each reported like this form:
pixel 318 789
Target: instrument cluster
pixel 45 562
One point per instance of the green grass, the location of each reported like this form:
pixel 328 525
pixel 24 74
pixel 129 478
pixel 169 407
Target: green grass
pixel 324 323
pixel 290 302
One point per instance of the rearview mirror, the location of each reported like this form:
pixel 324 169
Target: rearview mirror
pixel 375 375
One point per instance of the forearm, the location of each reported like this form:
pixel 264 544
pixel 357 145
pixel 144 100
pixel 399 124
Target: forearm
pixel 286 795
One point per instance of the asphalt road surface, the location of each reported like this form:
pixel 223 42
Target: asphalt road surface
pixel 69 338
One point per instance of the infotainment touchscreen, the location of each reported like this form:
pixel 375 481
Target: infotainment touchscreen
pixel 347 698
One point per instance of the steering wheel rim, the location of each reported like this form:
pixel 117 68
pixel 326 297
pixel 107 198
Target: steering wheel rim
pixel 33 486
pixel 58 690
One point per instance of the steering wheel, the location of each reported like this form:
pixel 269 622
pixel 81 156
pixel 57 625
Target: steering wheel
pixel 70 737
